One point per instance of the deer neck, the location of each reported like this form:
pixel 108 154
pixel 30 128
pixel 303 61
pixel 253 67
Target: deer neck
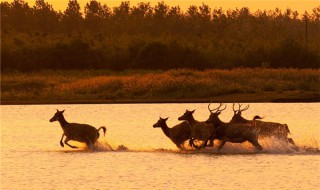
pixel 219 122
pixel 63 122
pixel 243 120
pixel 192 121
pixel 166 130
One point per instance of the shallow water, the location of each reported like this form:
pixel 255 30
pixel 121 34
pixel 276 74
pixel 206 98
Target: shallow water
pixel 31 156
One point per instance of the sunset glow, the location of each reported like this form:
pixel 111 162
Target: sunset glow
pixel 300 6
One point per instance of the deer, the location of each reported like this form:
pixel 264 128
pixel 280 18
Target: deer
pixel 200 130
pixel 178 134
pixel 265 129
pixel 77 132
pixel 229 132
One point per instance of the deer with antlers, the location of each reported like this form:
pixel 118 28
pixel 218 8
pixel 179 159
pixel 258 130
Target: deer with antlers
pixel 265 129
pixel 229 132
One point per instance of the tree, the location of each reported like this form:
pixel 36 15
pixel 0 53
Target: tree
pixel 5 14
pixel 141 16
pixel 160 17
pixel 160 10
pixel 143 10
pixel 175 20
pixel 121 16
pixel 316 14
pixel 123 11
pixel 96 15
pixel 20 15
pixel 205 12
pixel 46 19
pixel 72 17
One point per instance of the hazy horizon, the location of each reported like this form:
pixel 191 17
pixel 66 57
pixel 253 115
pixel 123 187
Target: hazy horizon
pixel 253 6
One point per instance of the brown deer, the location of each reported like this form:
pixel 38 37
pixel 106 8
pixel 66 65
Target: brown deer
pixel 229 132
pixel 200 130
pixel 177 134
pixel 77 132
pixel 265 129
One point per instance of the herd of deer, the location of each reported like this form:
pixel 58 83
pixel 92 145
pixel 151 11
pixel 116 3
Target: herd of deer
pixel 238 130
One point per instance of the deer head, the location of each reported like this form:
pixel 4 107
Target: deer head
pixel 57 116
pixel 214 113
pixel 187 116
pixel 237 118
pixel 161 122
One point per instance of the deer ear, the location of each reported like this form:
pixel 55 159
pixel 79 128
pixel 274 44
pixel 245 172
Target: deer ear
pixel 193 111
pixel 166 118
pixel 62 111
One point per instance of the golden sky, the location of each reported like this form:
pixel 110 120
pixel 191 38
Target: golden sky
pixel 299 5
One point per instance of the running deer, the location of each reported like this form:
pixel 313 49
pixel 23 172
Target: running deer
pixel 200 130
pixel 77 132
pixel 265 129
pixel 177 134
pixel 229 132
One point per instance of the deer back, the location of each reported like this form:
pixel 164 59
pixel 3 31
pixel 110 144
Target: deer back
pixel 81 132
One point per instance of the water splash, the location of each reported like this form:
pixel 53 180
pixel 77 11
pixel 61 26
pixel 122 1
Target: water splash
pixel 105 146
pixel 270 146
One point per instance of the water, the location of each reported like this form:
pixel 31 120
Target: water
pixel 31 156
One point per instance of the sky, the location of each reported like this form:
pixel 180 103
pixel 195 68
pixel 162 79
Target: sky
pixel 300 5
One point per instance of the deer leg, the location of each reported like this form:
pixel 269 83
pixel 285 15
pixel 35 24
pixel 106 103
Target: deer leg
pixel 179 146
pixel 89 145
pixel 210 139
pixel 61 143
pixel 191 142
pixel 211 144
pixel 221 144
pixel 256 144
pixel 66 142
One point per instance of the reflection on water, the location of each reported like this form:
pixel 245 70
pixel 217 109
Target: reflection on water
pixel 31 156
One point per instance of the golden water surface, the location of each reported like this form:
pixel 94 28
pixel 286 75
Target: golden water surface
pixel 31 156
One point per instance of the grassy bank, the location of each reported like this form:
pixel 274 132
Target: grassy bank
pixel 251 85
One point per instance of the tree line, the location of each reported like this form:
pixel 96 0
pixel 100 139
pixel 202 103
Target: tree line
pixel 155 37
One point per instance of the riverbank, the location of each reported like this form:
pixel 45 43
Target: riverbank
pixel 284 97
pixel 173 86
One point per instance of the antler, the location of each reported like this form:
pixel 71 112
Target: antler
pixel 218 108
pixel 244 109
pixel 233 108
pixel 211 110
pixel 225 106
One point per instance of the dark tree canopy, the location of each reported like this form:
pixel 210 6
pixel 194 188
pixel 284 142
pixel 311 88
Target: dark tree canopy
pixel 155 37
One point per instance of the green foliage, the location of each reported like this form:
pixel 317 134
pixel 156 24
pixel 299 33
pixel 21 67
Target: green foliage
pixel 159 37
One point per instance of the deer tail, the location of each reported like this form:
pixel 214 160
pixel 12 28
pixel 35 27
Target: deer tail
pixel 104 130
pixel 257 117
